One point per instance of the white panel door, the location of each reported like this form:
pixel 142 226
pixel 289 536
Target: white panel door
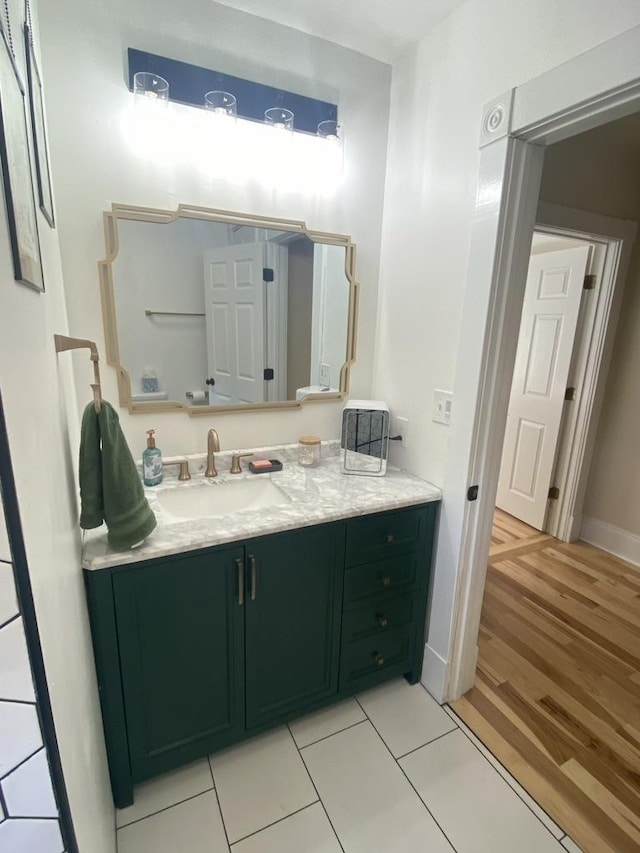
pixel 235 312
pixel 547 332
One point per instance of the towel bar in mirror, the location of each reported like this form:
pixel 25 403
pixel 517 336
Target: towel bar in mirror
pixel 210 311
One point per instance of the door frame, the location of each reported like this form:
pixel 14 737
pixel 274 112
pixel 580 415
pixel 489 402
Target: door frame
pixel 591 359
pixel 592 89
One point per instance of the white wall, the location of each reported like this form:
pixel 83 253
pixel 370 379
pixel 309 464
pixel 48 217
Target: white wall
pixel 95 166
pixel 438 90
pixel 160 268
pixel 42 423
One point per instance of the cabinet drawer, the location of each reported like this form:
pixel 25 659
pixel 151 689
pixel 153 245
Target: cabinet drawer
pixel 374 537
pixel 400 574
pixel 364 659
pixel 381 616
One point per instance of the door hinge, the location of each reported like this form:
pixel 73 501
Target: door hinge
pixel 554 493
pixel 268 374
pixel 570 394
pixel 267 274
pixel 589 282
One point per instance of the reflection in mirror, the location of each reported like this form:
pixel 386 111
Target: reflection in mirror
pixel 215 313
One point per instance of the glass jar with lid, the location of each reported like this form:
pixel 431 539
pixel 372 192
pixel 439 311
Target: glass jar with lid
pixel 309 451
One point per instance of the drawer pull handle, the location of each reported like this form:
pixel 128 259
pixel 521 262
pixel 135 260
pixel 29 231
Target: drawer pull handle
pixel 390 538
pixel 378 659
pixel 386 581
pixel 383 622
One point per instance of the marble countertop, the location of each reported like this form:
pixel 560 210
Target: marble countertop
pixel 315 496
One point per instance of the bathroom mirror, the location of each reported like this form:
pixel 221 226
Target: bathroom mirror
pixel 207 310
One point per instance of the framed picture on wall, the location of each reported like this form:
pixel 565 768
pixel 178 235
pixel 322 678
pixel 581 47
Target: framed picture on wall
pixel 38 126
pixel 15 159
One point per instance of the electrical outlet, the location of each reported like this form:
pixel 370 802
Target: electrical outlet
pixel 325 375
pixel 442 405
pixel 400 426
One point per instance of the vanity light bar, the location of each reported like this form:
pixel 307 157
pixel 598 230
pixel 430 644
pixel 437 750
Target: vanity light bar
pixel 188 84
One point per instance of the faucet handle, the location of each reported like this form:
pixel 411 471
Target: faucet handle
pixel 184 468
pixel 236 468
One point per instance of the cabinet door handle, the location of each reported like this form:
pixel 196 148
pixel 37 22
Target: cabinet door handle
pixel 390 538
pixel 386 581
pixel 378 659
pixel 254 577
pixel 240 565
pixel 383 622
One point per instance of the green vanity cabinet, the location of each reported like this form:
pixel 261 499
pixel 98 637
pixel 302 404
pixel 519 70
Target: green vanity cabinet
pixel 292 620
pixel 181 644
pixel 197 651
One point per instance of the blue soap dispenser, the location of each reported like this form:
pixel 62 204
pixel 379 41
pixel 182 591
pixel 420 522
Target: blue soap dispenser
pixel 151 461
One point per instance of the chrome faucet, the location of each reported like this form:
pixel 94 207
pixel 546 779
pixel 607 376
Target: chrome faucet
pixel 213 447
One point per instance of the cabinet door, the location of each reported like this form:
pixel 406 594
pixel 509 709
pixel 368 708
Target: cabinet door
pixel 292 628
pixel 181 641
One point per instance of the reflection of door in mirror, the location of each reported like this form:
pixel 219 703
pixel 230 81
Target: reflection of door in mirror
pixel 244 347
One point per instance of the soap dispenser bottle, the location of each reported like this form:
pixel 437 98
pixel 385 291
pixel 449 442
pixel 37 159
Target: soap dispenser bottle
pixel 151 461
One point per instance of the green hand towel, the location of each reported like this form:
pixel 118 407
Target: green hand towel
pixel 90 475
pixel 110 485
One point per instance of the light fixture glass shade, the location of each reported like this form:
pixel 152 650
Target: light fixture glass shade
pixel 221 103
pixel 330 129
pixel 151 87
pixel 279 117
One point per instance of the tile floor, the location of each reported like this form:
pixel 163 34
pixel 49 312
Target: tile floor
pixel 389 770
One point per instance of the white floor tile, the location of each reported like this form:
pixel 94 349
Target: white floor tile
pixel 28 792
pixel 539 812
pixel 167 790
pixel 8 599
pixel 327 722
pixel 308 831
pixel 405 716
pixel 260 782
pixel 19 734
pixel 15 670
pixel 369 801
pixel 29 836
pixel 191 827
pixel 471 802
pixel 571 846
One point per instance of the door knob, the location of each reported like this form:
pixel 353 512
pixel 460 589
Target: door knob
pixel 383 622
pixel 378 659
pixel 386 581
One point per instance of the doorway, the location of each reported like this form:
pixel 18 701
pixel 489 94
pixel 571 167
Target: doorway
pixel 567 327
pixel 516 130
pixel 558 645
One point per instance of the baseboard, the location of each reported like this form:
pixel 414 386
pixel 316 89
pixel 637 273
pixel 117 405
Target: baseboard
pixel 434 674
pixel 615 540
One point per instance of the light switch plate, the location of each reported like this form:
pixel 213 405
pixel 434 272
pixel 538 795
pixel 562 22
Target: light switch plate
pixel 442 405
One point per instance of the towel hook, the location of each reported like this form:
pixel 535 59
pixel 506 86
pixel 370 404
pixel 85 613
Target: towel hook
pixel 64 343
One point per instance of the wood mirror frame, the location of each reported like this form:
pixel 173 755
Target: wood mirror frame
pixel 147 214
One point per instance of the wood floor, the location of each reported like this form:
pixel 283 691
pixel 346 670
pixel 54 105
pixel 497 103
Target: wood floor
pixel 557 691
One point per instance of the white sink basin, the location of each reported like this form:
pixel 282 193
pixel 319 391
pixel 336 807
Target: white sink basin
pixel 208 500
